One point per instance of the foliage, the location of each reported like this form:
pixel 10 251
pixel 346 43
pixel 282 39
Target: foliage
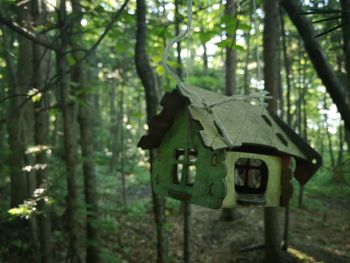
pixel 119 114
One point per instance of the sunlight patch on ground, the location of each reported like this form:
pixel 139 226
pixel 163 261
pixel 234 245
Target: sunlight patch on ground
pixel 301 256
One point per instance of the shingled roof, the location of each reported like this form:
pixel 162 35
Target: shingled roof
pixel 246 125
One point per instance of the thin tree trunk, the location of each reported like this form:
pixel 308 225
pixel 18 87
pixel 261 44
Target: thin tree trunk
pixel 41 124
pixel 69 139
pixel 230 65
pixel 205 59
pixel 146 74
pixel 230 214
pixel 340 144
pixel 273 236
pixel 288 117
pixel 14 122
pixel 178 44
pixel 248 40
pixel 287 70
pixel 25 75
pixel 345 7
pixel 301 112
pixel 347 138
pixel 87 138
pixel 186 206
pixel 122 143
pixel 270 43
pixel 339 171
pixel 329 137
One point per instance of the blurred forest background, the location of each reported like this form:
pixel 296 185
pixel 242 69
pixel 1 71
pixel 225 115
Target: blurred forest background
pixel 79 81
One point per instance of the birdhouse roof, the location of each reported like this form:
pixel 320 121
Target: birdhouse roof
pixel 233 125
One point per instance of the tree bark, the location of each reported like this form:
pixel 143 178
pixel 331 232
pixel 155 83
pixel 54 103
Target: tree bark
pixel 205 59
pixel 121 144
pixel 14 126
pixel 178 44
pixel 186 206
pixel 87 138
pixel 273 236
pixel 318 58
pixel 69 138
pixel 270 43
pixel 41 124
pixel 147 76
pixel 230 214
pixel 248 40
pixel 231 56
pixel 287 71
pixel 345 7
pixel 329 137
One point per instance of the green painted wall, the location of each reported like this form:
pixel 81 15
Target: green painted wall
pixel 209 187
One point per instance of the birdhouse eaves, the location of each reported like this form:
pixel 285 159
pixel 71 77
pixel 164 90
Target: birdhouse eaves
pixel 241 123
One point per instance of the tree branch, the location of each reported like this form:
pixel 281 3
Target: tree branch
pixel 25 32
pixel 109 26
pixel 318 58
pixel 54 79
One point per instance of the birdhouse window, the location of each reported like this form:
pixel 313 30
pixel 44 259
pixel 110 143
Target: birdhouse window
pixel 250 176
pixel 184 168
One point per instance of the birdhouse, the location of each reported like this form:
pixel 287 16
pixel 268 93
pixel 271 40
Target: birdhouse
pixel 228 155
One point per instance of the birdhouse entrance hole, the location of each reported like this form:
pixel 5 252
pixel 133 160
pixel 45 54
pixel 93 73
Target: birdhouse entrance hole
pixel 250 176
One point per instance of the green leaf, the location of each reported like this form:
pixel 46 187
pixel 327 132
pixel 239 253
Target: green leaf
pixel 243 26
pixel 229 43
pixel 204 37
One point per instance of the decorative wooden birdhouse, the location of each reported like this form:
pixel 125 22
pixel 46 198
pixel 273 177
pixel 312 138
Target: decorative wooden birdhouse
pixel 230 154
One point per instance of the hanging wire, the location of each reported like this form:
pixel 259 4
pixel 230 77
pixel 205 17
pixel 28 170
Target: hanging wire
pixel 178 38
pixel 258 97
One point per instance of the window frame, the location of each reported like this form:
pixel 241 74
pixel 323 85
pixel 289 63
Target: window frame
pixel 245 188
pixel 189 159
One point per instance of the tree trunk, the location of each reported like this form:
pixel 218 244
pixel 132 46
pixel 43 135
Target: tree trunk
pixel 301 111
pixel 14 126
pixel 345 7
pixel 230 214
pixel 205 59
pixel 87 138
pixel 271 35
pixel 329 137
pixel 287 70
pixel 186 206
pixel 146 74
pixel 122 143
pixel 69 138
pixel 230 65
pixel 41 124
pixel 318 58
pixel 178 44
pixel 270 43
pixel 273 235
pixel 248 40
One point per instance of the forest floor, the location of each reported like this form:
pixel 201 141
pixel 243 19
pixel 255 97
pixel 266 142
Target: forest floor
pixel 319 232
